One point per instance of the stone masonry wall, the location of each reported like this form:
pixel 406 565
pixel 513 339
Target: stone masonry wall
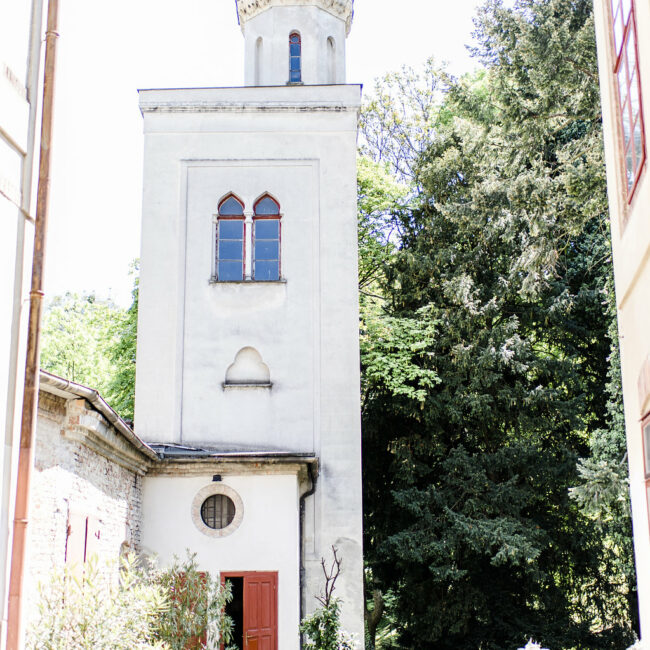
pixel 74 486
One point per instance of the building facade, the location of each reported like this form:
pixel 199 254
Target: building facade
pixel 86 492
pixel 248 360
pixel 20 49
pixel 623 37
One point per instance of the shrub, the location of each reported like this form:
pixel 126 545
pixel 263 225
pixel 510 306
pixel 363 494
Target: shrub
pixel 323 628
pixel 101 609
pixel 196 618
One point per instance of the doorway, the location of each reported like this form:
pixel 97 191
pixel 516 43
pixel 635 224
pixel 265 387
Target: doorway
pixel 254 609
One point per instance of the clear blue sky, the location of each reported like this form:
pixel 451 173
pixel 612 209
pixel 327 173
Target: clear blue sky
pixel 109 50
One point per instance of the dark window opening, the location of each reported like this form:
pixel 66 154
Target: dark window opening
pixel 218 511
pixel 295 58
pixel 235 609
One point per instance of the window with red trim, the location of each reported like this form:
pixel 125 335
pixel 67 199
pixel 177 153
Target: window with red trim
pixel 230 241
pixel 626 69
pixel 295 58
pixel 266 240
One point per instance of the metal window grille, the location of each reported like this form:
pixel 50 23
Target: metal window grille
pixel 218 511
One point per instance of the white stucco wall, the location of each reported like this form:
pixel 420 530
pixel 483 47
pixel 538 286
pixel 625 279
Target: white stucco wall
pixel 20 43
pixel 267 60
pixel 266 540
pixel 299 144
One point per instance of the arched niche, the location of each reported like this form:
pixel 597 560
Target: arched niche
pixel 248 369
pixel 331 60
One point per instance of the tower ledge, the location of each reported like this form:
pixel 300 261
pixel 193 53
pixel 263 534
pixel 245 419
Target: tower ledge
pixel 343 9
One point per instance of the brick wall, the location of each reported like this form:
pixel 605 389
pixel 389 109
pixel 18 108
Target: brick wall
pixel 75 487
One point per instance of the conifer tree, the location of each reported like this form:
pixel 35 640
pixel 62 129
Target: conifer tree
pixel 504 259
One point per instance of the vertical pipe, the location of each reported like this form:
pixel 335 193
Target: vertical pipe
pixel 30 397
pixel 6 485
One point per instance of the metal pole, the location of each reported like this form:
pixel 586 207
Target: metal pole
pixel 30 397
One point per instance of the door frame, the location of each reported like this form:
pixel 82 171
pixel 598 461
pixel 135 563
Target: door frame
pixel 225 575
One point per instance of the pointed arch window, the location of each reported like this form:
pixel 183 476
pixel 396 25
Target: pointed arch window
pixel 266 240
pixel 230 240
pixel 295 58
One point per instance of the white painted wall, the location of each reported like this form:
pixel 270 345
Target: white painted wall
pixel 267 46
pixel 299 144
pixel 20 43
pixel 267 539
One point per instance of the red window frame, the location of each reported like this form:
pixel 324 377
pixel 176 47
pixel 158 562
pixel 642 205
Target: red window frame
pixel 268 217
pixel 628 83
pixel 226 217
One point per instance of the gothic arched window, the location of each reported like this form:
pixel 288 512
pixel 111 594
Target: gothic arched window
pixel 230 237
pixel 266 240
pixel 295 58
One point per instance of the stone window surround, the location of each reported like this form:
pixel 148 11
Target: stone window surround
pixel 211 490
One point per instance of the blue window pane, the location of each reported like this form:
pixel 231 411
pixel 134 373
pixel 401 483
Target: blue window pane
pixel 266 250
pixel 231 207
pixel 267 206
pixel 267 271
pixel 231 229
pixel 295 63
pixel 295 38
pixel 294 49
pixel 230 272
pixel 294 76
pixel 267 229
pixel 231 250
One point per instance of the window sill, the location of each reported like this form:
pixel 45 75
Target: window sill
pixel 257 282
pixel 247 386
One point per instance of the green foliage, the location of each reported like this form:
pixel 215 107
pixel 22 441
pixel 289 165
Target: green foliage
pixel 122 354
pixel 103 609
pixel 99 607
pixel 77 333
pixel 197 607
pixel 477 412
pixel 323 629
pixel 379 197
pixel 93 342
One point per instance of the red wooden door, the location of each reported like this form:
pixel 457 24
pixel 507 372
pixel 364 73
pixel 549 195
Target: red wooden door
pixel 260 611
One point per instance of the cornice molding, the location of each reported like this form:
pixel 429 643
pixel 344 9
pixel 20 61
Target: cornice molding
pixel 249 107
pixel 343 9
pixel 89 428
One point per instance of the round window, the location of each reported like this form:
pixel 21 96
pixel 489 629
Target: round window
pixel 218 511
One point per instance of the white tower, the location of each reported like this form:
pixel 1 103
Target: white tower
pixel 321 27
pixel 248 358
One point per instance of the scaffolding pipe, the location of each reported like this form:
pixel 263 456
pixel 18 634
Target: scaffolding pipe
pixel 30 397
